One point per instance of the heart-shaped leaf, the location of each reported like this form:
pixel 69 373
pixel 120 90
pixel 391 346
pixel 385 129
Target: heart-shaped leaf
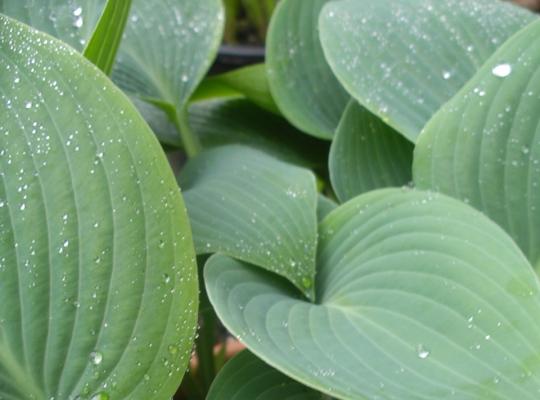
pixel 403 60
pixel 246 377
pixel 367 154
pixel 301 81
pixel 248 205
pixel 483 146
pixel 98 286
pixel 419 296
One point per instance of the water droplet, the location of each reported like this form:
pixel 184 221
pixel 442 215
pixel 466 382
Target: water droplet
pixel 78 23
pixel 422 352
pixel 307 282
pixel 96 357
pixel 502 70
pixel 100 396
pixel 173 349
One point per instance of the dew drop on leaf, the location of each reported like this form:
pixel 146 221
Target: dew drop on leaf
pixel 307 282
pixel 502 70
pixel 100 396
pixel 96 358
pixel 173 349
pixel 422 351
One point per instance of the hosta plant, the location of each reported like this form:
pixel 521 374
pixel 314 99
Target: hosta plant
pixel 361 212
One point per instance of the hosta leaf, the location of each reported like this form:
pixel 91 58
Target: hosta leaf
pixel 249 82
pixel 403 60
pixel 71 21
pixel 418 297
pixel 158 119
pixel 220 122
pixel 152 64
pixel 248 205
pixel 246 377
pixel 167 49
pixel 98 289
pixel 324 207
pixel 301 81
pixel 483 146
pixel 367 154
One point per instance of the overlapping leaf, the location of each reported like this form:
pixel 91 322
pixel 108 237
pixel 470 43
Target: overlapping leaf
pixel 418 296
pixel 246 377
pixel 367 154
pixel 483 146
pixel 249 82
pixel 98 287
pixel 71 21
pixel 152 64
pixel 105 41
pixel 324 207
pixel 303 85
pixel 403 60
pixel 248 205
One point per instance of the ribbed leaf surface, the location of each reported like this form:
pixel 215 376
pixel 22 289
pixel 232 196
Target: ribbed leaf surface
pixel 300 79
pixel 248 205
pixel 483 146
pixel 98 286
pixel 246 377
pixel 367 154
pixel 418 297
pixel 403 60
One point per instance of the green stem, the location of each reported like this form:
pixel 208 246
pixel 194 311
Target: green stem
pixel 190 141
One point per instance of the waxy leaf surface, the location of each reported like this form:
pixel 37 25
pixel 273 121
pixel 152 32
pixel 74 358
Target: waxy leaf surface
pixel 98 285
pixel 483 147
pixel 403 60
pixel 419 296
pixel 304 87
pixel 253 207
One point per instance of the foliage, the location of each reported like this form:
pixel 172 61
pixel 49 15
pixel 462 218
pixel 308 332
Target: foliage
pixel 362 210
